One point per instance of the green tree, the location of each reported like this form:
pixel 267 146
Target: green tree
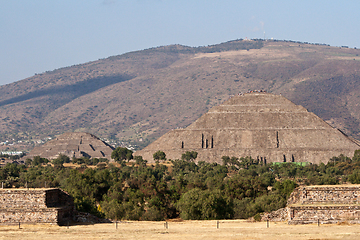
pixel 225 160
pixel 356 157
pixel 63 158
pixel 232 162
pixel 112 209
pixel 37 160
pixel 58 163
pixel 242 208
pixel 189 156
pixel 246 162
pixel 198 204
pixel 159 155
pixel 28 162
pixel 140 161
pixel 354 178
pixel 285 188
pixel 120 154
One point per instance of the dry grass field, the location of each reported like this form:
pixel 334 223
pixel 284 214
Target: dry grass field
pixel 228 229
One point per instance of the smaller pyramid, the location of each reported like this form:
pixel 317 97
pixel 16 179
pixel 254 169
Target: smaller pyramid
pixel 267 127
pixel 73 144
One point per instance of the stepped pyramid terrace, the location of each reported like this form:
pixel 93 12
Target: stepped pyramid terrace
pixel 265 126
pixel 73 144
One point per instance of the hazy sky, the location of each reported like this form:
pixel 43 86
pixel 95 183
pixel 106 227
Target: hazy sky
pixel 41 35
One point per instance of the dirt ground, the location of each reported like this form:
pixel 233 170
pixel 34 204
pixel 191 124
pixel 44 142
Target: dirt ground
pixel 228 229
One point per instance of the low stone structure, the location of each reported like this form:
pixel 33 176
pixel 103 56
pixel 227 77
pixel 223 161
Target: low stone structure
pixel 50 205
pixel 73 144
pixel 320 204
pixel 280 215
pixel 265 126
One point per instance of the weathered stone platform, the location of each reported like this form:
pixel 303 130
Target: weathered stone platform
pixel 324 204
pixel 320 204
pixel 264 126
pixel 50 205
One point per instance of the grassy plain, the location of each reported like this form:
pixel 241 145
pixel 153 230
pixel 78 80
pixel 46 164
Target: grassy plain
pixel 228 229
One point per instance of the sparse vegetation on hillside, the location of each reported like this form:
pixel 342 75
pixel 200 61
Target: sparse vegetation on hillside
pixel 139 96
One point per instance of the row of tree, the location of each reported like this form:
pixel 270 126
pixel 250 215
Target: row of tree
pixel 238 188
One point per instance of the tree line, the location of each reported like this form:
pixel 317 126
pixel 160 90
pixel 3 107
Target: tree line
pixel 136 190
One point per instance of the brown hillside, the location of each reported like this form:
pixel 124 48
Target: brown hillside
pixel 141 95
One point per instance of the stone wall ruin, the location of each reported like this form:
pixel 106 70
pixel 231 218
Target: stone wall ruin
pixel 320 204
pixel 50 205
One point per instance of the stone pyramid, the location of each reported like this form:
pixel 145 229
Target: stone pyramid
pixel 264 126
pixel 73 144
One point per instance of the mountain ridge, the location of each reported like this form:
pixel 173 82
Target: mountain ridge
pixel 138 96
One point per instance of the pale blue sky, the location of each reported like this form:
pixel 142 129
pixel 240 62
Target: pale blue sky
pixel 43 35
